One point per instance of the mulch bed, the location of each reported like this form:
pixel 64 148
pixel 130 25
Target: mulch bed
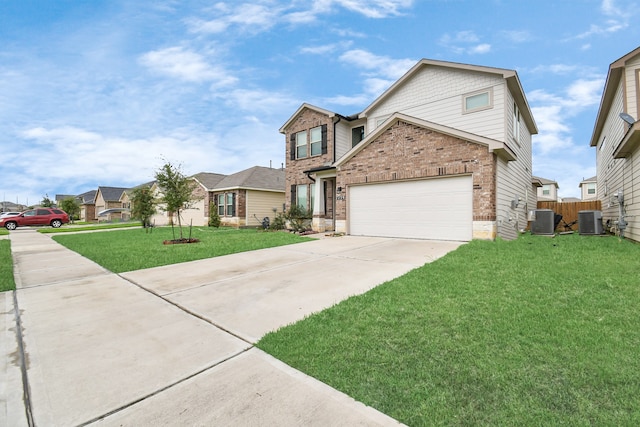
pixel 179 241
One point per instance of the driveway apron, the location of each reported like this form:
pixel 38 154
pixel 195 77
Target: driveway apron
pixel 174 345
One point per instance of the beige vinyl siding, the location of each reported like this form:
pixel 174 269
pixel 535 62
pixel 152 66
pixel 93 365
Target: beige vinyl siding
pixel 631 86
pixel 437 94
pixel 514 180
pixel 261 204
pixel 343 138
pixel 633 201
pixel 610 171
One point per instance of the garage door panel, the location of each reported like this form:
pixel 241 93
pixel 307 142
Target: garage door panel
pixel 439 209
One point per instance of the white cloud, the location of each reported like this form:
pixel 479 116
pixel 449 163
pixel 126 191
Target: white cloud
pixel 185 65
pixel 616 20
pixel 481 48
pixel 260 16
pixel 376 65
pixel 464 42
pixel 515 36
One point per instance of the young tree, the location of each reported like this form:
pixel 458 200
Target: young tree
pixel 71 206
pixel 214 217
pixel 177 190
pixel 143 205
pixel 46 202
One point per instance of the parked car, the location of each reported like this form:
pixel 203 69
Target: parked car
pixel 40 216
pixel 5 214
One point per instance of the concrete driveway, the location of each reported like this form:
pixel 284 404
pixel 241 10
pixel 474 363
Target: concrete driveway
pixel 173 345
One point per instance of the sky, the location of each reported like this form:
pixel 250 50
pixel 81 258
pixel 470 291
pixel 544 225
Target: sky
pixel 104 92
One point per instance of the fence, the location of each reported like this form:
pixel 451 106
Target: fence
pixel 569 211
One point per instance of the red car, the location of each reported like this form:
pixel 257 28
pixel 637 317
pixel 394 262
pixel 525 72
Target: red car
pixel 40 216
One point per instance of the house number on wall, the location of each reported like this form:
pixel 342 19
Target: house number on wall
pixel 341 197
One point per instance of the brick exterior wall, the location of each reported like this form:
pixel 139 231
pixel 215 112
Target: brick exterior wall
pixel 306 120
pixel 406 151
pixel 239 220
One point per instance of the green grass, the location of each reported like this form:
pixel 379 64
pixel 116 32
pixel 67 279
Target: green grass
pixel 89 227
pixel 6 267
pixel 134 249
pixel 536 331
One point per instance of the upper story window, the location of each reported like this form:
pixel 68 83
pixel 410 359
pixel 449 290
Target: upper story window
pixel 303 147
pixel 357 135
pixel 477 101
pixel 546 189
pixel 301 144
pixel 604 142
pixel 516 123
pixel 591 188
pixel 316 141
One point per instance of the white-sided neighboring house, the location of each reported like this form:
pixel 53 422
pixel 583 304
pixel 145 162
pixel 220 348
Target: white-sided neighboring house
pixel 198 212
pixel 616 138
pixel 547 190
pixel 444 153
pixel 588 189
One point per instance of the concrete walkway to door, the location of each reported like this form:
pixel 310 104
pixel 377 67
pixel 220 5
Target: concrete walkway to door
pixel 173 345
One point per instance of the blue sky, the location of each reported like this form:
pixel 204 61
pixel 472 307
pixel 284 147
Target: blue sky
pixel 102 92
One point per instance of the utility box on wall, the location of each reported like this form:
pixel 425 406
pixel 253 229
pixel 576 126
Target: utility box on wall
pixel 590 222
pixel 544 222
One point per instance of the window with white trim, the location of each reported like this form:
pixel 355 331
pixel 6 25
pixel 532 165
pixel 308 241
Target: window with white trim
pixel 477 101
pixel 231 206
pixel 301 144
pixel 302 196
pixel 220 198
pixel 516 123
pixel 316 141
pixel 591 188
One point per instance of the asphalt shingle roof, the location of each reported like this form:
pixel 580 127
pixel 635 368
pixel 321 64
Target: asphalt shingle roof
pixel 257 177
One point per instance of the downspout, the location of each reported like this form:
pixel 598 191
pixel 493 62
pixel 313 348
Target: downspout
pixel 308 173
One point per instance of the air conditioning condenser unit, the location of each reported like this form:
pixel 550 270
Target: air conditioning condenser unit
pixel 544 222
pixel 590 222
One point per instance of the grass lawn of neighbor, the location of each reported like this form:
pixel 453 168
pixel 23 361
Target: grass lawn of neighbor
pixel 134 249
pixel 6 266
pixel 536 331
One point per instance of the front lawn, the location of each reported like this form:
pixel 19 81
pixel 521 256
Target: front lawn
pixel 537 331
pixel 6 267
pixel 134 249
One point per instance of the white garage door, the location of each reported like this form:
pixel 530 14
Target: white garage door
pixel 195 214
pixel 438 209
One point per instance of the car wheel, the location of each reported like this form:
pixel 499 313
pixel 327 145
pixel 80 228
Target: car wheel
pixel 56 223
pixel 10 225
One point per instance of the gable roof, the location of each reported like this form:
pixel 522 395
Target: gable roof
pixel 254 178
pixel 614 75
pixel 208 180
pixel 303 107
pixel 87 198
pixel 511 76
pixel 544 181
pixel 588 180
pixel 111 194
pixel 500 148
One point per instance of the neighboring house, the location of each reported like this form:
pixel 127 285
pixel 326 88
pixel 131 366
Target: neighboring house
pixel 87 202
pixel 61 197
pixel 126 201
pixel 616 136
pixel 588 188
pixel 245 198
pixel 198 213
pixel 548 189
pixel 108 206
pixel 11 207
pixel 444 153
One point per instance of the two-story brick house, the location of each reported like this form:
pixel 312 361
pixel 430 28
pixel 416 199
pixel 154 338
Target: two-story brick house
pixel 444 153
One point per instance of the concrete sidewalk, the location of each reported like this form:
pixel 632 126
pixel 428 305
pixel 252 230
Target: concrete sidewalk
pixel 173 345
